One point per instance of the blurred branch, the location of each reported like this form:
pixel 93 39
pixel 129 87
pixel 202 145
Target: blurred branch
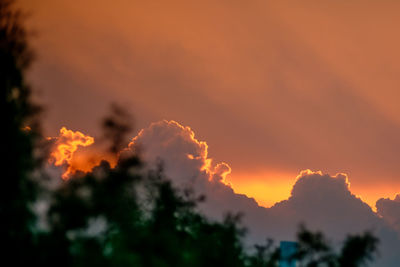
pixel 116 127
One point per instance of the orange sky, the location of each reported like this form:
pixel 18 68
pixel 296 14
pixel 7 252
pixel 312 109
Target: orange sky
pixel 272 87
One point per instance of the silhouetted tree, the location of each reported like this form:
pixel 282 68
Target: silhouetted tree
pixel 116 126
pixel 358 250
pixel 265 255
pixel 314 250
pixel 140 220
pixel 17 191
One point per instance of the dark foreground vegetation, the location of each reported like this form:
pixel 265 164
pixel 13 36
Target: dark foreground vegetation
pixel 122 216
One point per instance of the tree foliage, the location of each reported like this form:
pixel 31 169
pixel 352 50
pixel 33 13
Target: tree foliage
pixel 16 190
pixel 314 250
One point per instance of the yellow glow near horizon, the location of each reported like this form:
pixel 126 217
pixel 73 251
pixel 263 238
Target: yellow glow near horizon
pixel 371 194
pixel 267 188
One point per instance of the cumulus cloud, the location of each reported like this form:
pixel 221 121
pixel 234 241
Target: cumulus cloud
pixel 321 201
pixel 185 161
pixel 183 156
pixel 390 211
pixel 325 203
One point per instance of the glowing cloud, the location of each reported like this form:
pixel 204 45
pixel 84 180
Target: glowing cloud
pixel 66 144
pixel 184 157
pixel 186 162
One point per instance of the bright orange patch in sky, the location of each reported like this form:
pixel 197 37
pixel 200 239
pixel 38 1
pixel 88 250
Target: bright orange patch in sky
pixel 371 194
pixel 74 150
pixel 67 144
pixel 265 187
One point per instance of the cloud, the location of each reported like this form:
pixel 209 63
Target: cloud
pixel 183 156
pixel 75 151
pixel 321 201
pixel 185 161
pixel 324 202
pixel 390 211
pixel 65 145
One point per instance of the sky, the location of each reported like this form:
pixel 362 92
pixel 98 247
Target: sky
pixel 272 87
